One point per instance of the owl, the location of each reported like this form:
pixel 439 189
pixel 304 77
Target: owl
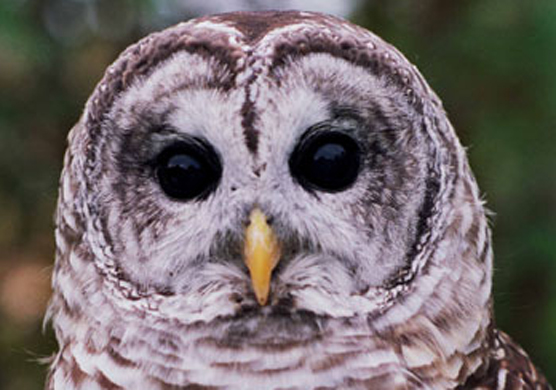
pixel 272 200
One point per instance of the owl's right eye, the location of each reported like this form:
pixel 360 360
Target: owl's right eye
pixel 188 170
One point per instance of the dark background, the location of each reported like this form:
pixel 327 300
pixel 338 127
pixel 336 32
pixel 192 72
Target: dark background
pixel 493 62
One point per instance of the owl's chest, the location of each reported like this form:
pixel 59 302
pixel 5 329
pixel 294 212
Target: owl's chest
pixel 158 360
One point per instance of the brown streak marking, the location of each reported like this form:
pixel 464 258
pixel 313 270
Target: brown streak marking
pixel 248 367
pixel 334 360
pixel 106 383
pixel 282 347
pixel 76 374
pixel 119 359
pixel 248 119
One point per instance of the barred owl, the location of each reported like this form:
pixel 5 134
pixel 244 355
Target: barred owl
pixel 272 200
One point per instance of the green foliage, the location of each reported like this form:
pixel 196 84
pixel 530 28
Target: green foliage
pixel 492 62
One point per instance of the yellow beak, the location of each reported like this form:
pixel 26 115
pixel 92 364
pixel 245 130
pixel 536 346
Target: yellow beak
pixel 262 252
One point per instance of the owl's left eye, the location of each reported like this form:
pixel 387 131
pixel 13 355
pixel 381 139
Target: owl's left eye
pixel 188 170
pixel 327 161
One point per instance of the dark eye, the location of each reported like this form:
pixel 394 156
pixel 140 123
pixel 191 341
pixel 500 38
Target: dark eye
pixel 326 161
pixel 188 170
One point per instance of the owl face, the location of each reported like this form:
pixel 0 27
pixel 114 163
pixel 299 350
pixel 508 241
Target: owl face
pixel 323 148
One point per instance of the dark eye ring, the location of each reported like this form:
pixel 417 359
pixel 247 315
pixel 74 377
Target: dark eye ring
pixel 188 170
pixel 327 161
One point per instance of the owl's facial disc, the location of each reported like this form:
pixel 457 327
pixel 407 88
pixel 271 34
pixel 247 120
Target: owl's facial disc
pixel 336 169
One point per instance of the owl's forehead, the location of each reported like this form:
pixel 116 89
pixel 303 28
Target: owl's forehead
pixel 253 69
pixel 263 115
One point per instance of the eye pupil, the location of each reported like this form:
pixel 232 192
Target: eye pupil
pixel 188 170
pixel 182 168
pixel 330 155
pixel 328 161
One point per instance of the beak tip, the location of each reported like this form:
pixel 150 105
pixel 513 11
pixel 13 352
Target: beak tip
pixel 261 295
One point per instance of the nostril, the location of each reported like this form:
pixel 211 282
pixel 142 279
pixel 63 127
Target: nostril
pixel 233 188
pixel 236 298
pixel 246 220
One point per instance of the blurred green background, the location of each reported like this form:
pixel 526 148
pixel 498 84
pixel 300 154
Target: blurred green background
pixel 493 62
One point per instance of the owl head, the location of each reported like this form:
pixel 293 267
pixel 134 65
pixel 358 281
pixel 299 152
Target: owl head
pixel 264 175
